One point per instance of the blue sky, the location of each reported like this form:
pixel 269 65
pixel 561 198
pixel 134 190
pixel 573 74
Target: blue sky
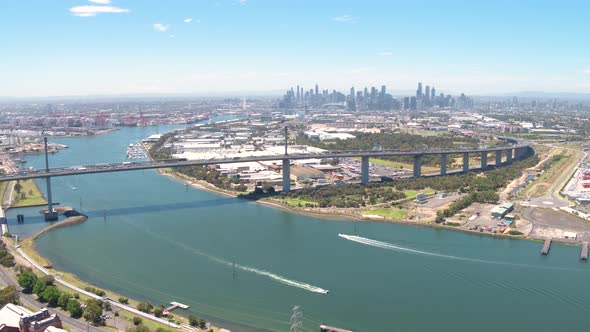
pixel 83 47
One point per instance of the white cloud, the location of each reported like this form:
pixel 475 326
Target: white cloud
pixel 188 20
pixel 242 2
pixel 101 2
pixel 87 11
pixel 385 53
pixel 587 71
pixel 161 27
pixel 344 18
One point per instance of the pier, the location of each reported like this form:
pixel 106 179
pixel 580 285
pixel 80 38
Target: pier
pixel 584 252
pixel 546 247
pixel 173 306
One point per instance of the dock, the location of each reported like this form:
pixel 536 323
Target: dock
pixel 546 247
pixel 174 305
pixel 584 252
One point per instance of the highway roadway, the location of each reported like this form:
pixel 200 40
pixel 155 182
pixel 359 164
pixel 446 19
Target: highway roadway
pixel 133 166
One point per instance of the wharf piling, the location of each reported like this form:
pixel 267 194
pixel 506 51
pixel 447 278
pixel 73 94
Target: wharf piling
pixel 584 252
pixel 546 247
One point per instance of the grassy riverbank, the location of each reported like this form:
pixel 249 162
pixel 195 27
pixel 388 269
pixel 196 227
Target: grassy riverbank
pixel 28 195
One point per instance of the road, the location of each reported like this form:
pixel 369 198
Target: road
pixel 552 198
pixel 127 166
pixel 30 301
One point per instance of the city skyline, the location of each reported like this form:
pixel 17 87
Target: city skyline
pixel 119 47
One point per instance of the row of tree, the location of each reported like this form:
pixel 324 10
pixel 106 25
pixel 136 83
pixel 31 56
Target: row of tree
pixel 397 141
pixel 354 195
pixel 47 292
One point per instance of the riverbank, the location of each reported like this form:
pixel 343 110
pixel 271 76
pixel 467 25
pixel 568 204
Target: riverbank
pixel 345 214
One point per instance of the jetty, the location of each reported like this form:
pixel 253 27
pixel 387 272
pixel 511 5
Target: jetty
pixel 584 252
pixel 173 306
pixel 546 247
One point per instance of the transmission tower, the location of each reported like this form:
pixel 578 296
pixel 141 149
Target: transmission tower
pixel 296 319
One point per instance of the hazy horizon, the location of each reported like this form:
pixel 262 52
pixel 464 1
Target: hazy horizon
pixel 122 47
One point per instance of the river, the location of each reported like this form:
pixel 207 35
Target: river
pixel 152 238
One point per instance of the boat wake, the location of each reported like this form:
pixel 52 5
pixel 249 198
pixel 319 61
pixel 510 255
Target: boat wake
pixel 263 273
pixel 259 272
pixel 389 246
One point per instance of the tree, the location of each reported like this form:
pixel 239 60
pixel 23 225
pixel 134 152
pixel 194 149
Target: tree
pixel 64 298
pixel 193 321
pixel 51 295
pixel 74 308
pixel 39 287
pixel 124 300
pixel 202 323
pixel 93 312
pixel 6 259
pixel 8 295
pixel 158 312
pixel 49 280
pixel 137 320
pixel 145 307
pixel 27 280
pixel 18 187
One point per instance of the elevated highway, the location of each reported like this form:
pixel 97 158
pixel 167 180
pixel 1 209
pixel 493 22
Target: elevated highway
pixel 513 149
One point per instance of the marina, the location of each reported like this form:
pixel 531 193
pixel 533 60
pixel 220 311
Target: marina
pixel 136 151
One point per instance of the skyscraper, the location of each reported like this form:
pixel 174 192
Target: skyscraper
pixel 317 89
pixel 383 88
pixel 427 94
pixel 433 94
pixel 419 91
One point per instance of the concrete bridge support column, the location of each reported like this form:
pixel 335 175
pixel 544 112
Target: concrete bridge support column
pixel 484 160
pixel 286 175
pixel 365 170
pixel 465 161
pixel 509 156
pixel 417 166
pixel 51 215
pixel 443 164
pixel 498 158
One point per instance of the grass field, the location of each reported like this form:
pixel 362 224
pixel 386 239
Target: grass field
pixel 556 168
pixel 3 186
pixel 298 202
pixel 389 213
pixel 149 323
pixel 414 193
pixel 400 165
pixel 33 195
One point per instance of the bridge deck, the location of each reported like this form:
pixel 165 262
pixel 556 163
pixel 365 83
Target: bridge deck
pixel 120 167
